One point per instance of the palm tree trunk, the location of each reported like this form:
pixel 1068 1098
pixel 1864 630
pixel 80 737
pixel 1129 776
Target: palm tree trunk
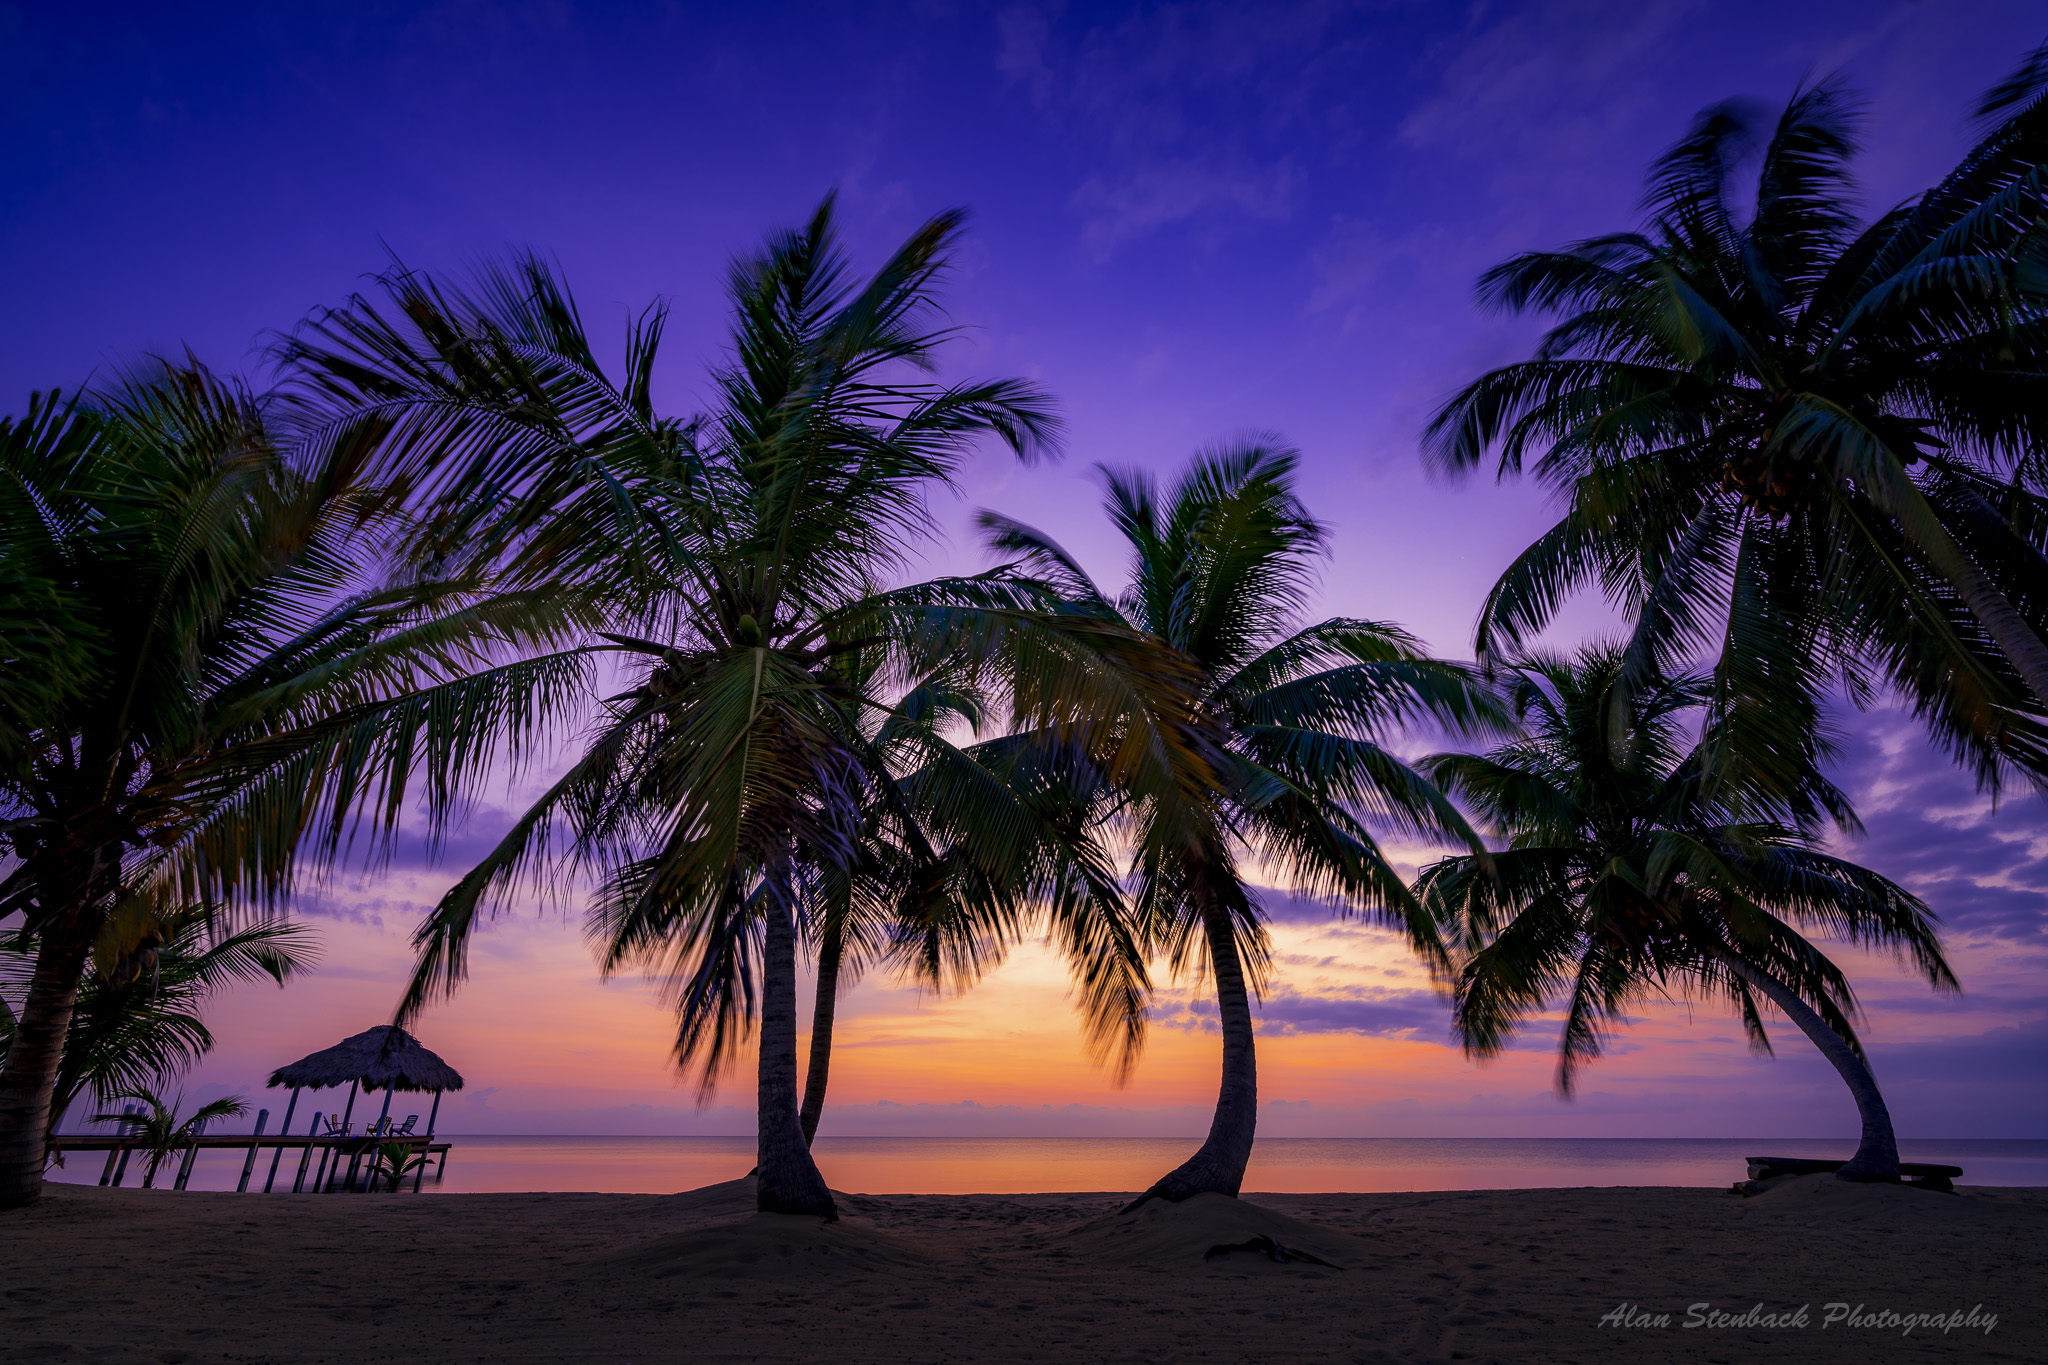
pixel 1877 1156
pixel 29 1077
pixel 1218 1166
pixel 831 948
pixel 787 1179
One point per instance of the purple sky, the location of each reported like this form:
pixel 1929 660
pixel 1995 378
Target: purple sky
pixel 1188 221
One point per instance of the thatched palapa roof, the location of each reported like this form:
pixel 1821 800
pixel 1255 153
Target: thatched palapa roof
pixel 383 1056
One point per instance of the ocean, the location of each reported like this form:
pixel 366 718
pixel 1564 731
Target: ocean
pixel 654 1165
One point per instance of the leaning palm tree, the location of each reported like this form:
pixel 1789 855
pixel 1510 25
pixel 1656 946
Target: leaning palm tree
pixel 979 843
pixel 914 895
pixel 139 1018
pixel 950 865
pixel 1805 446
pixel 744 556
pixel 1627 876
pixel 157 1129
pixel 1221 566
pixel 235 685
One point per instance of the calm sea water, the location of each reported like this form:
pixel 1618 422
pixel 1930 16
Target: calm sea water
pixel 1039 1165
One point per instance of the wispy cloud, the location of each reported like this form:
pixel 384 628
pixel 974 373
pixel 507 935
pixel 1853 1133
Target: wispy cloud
pixel 1139 199
pixel 1544 77
pixel 1982 867
pixel 1182 114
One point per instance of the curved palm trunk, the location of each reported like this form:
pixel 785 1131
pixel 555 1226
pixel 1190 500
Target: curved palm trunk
pixel 29 1078
pixel 1877 1156
pixel 830 949
pixel 1218 1166
pixel 788 1180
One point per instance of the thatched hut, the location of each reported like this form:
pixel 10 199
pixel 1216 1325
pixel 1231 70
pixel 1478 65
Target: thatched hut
pixel 383 1058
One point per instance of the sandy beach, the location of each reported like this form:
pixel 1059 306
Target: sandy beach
pixel 122 1275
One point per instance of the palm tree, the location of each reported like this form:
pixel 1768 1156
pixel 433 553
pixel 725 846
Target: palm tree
pixel 392 1162
pixel 158 1130
pixel 743 555
pixel 1627 876
pixel 909 896
pixel 1799 445
pixel 1220 569
pixel 234 688
pixel 975 845
pixel 138 1018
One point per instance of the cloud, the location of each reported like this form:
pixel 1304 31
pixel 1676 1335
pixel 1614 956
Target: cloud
pixel 2013 1057
pixel 1542 76
pixel 1285 907
pixel 1024 31
pixel 1182 114
pixel 1382 1013
pixel 1982 868
pixel 1288 1010
pixel 454 854
pixel 1138 199
pixel 353 908
pixel 1353 256
pixel 409 875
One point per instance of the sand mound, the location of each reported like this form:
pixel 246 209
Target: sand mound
pixel 1184 1234
pixel 733 1199
pixel 725 1237
pixel 746 1245
pixel 725 1202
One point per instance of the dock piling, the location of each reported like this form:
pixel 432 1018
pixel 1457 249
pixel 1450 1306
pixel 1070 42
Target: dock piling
pixel 306 1156
pixel 113 1153
pixel 121 1171
pixel 283 1130
pixel 249 1163
pixel 191 1152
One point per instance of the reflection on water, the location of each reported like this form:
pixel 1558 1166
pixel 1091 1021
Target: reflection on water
pixel 1038 1165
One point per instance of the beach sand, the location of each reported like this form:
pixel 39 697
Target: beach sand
pixel 1519 1276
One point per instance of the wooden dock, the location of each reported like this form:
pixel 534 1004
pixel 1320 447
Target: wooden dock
pixel 327 1176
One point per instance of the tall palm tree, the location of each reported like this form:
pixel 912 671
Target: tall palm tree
pixel 743 555
pixel 236 691
pixel 1221 565
pixel 1807 447
pixel 139 1018
pixel 1627 876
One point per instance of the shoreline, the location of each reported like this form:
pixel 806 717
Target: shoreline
pixel 1509 1275
pixel 642 1164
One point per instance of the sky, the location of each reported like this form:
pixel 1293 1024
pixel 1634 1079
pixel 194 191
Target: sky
pixel 1188 222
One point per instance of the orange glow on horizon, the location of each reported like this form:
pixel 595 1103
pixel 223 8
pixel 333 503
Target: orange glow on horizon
pixel 547 1046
